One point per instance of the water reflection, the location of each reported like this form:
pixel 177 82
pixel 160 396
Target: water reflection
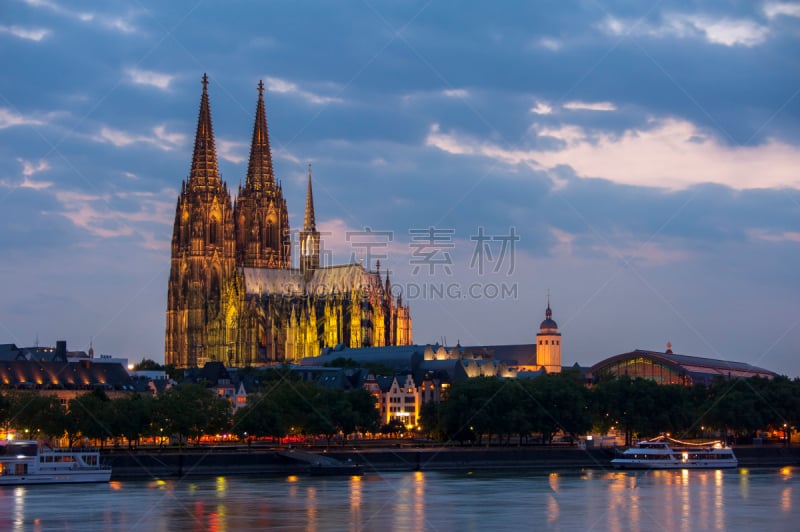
pixel 311 508
pixel 671 500
pixel 355 502
pixel 719 500
pixel 553 510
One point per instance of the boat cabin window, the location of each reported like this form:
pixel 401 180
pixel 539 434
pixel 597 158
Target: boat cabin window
pixel 19 449
pixel 653 445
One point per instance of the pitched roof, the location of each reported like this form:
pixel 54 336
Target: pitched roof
pixel 340 279
pixel 63 374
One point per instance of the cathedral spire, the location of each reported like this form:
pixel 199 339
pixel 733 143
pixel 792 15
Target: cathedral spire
pixel 310 223
pixel 204 160
pixel 259 171
pixel 309 236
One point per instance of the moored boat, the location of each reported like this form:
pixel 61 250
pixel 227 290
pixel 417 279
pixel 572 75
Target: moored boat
pixel 666 453
pixel 31 462
pixel 342 468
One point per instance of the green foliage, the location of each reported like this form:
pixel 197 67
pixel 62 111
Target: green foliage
pixel 148 365
pixel 91 415
pixel 261 417
pixel 366 417
pixel 477 409
pixel 190 411
pixel 132 417
pixel 37 415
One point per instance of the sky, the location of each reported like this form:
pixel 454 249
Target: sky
pixel 637 161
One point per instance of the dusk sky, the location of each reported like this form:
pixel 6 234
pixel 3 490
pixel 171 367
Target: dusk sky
pixel 639 160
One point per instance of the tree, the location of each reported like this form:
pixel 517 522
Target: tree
pixel 329 413
pixel 472 409
pixel 91 415
pixel 430 419
pixel 261 417
pixel 36 414
pixel 148 365
pixel 132 416
pixel 190 411
pixel 366 415
pixel 560 402
pixel 630 405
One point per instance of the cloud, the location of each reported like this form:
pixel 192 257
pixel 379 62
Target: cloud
pixel 776 9
pixel 9 118
pixel 101 216
pixel 771 236
pixel 112 22
pixel 725 31
pixel 730 32
pixel 346 244
pixel 621 246
pixel 283 86
pixel 456 93
pixel 31 34
pixel 148 77
pixel 232 150
pixel 35 185
pixel 550 43
pixel 590 106
pixel 541 108
pixel 626 248
pixel 279 152
pixel 160 138
pixel 669 153
pixel 29 169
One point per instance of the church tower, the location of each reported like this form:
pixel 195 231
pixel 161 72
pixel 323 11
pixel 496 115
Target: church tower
pixel 262 220
pixel 203 263
pixel 309 236
pixel 548 343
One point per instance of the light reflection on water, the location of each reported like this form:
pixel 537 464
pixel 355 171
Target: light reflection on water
pixel 568 499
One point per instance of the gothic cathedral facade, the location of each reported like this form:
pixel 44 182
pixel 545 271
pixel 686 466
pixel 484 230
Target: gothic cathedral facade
pixel 233 295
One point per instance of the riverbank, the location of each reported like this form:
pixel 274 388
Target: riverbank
pixel 154 464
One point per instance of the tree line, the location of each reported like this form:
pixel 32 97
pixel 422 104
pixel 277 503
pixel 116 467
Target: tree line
pixel 476 410
pixel 553 404
pixel 188 412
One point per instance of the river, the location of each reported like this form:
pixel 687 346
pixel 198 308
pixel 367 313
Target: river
pixel 739 499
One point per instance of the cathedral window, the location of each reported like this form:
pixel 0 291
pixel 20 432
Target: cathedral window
pixel 212 231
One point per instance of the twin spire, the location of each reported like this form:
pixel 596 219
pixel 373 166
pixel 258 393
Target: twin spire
pixel 259 171
pixel 260 176
pixel 204 160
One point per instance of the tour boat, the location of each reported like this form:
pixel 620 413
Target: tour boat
pixel 31 462
pixel 659 454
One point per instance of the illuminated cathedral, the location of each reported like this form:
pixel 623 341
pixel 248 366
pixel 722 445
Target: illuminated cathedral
pixel 233 295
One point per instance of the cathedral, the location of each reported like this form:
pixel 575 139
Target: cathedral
pixel 233 295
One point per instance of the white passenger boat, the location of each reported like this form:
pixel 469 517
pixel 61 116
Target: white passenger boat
pixel 31 462
pixel 665 453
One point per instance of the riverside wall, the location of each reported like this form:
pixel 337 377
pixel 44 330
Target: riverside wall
pixel 243 461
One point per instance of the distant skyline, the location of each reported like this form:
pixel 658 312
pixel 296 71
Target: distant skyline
pixel 639 162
